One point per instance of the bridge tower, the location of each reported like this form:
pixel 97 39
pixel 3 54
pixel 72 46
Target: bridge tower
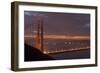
pixel 39 34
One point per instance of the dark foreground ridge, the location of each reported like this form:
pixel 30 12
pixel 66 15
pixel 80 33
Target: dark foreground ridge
pixel 33 54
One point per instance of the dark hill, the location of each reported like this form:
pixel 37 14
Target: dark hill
pixel 33 54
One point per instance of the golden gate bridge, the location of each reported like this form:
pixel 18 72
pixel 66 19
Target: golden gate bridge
pixel 40 38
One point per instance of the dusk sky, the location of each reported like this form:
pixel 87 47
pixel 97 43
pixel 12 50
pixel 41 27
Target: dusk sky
pixel 58 23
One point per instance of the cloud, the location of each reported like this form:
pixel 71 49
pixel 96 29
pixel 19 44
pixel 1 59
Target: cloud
pixel 87 25
pixel 31 14
pixel 35 14
pixel 27 13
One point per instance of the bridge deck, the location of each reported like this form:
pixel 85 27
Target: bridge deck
pixel 66 50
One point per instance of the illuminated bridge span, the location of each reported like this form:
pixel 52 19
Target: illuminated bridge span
pixel 66 50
